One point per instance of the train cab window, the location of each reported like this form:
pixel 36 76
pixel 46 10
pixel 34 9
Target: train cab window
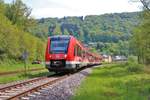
pixel 59 44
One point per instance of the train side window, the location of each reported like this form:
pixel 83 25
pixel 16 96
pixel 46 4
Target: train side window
pixel 79 51
pixel 75 50
pixel 83 53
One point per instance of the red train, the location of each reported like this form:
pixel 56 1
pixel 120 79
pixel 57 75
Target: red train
pixel 66 53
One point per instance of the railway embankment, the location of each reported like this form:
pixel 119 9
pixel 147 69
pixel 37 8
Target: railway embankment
pixel 64 89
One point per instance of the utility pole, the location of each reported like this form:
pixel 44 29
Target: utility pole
pixel 24 57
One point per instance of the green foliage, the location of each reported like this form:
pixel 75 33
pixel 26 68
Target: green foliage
pixel 140 41
pixel 13 40
pixel 110 30
pixel 93 50
pixel 114 82
pixel 132 59
pixel 21 76
pixel 18 13
pixel 133 66
pixel 95 27
pixel 2 6
pixel 11 65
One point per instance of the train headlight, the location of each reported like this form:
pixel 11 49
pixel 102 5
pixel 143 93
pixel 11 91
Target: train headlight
pixel 47 62
pixel 65 55
pixel 50 56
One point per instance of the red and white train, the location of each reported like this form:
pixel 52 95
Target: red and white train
pixel 66 53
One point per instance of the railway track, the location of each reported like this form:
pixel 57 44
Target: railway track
pixel 25 89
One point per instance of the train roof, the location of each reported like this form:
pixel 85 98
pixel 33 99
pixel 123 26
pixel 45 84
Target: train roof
pixel 62 36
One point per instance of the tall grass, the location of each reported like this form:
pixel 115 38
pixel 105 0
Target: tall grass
pixel 22 76
pixel 133 65
pixel 115 82
pixel 13 66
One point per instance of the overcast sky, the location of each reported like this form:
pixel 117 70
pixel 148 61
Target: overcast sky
pixel 61 8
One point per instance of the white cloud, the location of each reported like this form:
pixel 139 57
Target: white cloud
pixel 60 8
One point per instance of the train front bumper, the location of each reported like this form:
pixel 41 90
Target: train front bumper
pixel 66 67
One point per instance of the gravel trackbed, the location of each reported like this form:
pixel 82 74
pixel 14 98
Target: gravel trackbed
pixel 64 89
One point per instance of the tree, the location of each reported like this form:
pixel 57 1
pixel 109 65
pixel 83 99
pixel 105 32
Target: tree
pixel 146 4
pixel 2 8
pixel 141 39
pixel 14 41
pixel 18 13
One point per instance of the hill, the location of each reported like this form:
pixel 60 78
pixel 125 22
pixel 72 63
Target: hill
pixel 89 28
pixel 109 32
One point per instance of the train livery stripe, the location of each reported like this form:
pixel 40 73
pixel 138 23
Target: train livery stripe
pixel 73 62
pixel 67 62
pixel 76 62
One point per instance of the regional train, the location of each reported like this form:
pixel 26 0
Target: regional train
pixel 66 53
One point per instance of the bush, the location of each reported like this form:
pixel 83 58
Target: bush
pixel 132 59
pixel 133 66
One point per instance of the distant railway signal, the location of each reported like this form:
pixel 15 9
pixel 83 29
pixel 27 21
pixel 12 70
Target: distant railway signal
pixel 25 57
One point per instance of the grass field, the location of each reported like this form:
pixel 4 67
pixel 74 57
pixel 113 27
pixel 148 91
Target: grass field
pixel 22 76
pixel 19 66
pixel 115 82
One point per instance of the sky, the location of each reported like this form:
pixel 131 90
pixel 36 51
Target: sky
pixel 61 8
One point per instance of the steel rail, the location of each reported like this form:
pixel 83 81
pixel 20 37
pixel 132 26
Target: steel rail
pixel 35 89
pixel 20 84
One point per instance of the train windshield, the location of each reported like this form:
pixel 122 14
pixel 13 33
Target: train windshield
pixel 59 45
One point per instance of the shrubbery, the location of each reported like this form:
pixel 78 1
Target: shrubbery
pixel 132 65
pixel 14 40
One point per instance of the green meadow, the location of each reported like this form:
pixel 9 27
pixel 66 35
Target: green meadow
pixel 18 66
pixel 21 75
pixel 115 82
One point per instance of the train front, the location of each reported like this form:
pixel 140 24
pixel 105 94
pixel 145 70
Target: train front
pixel 56 53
